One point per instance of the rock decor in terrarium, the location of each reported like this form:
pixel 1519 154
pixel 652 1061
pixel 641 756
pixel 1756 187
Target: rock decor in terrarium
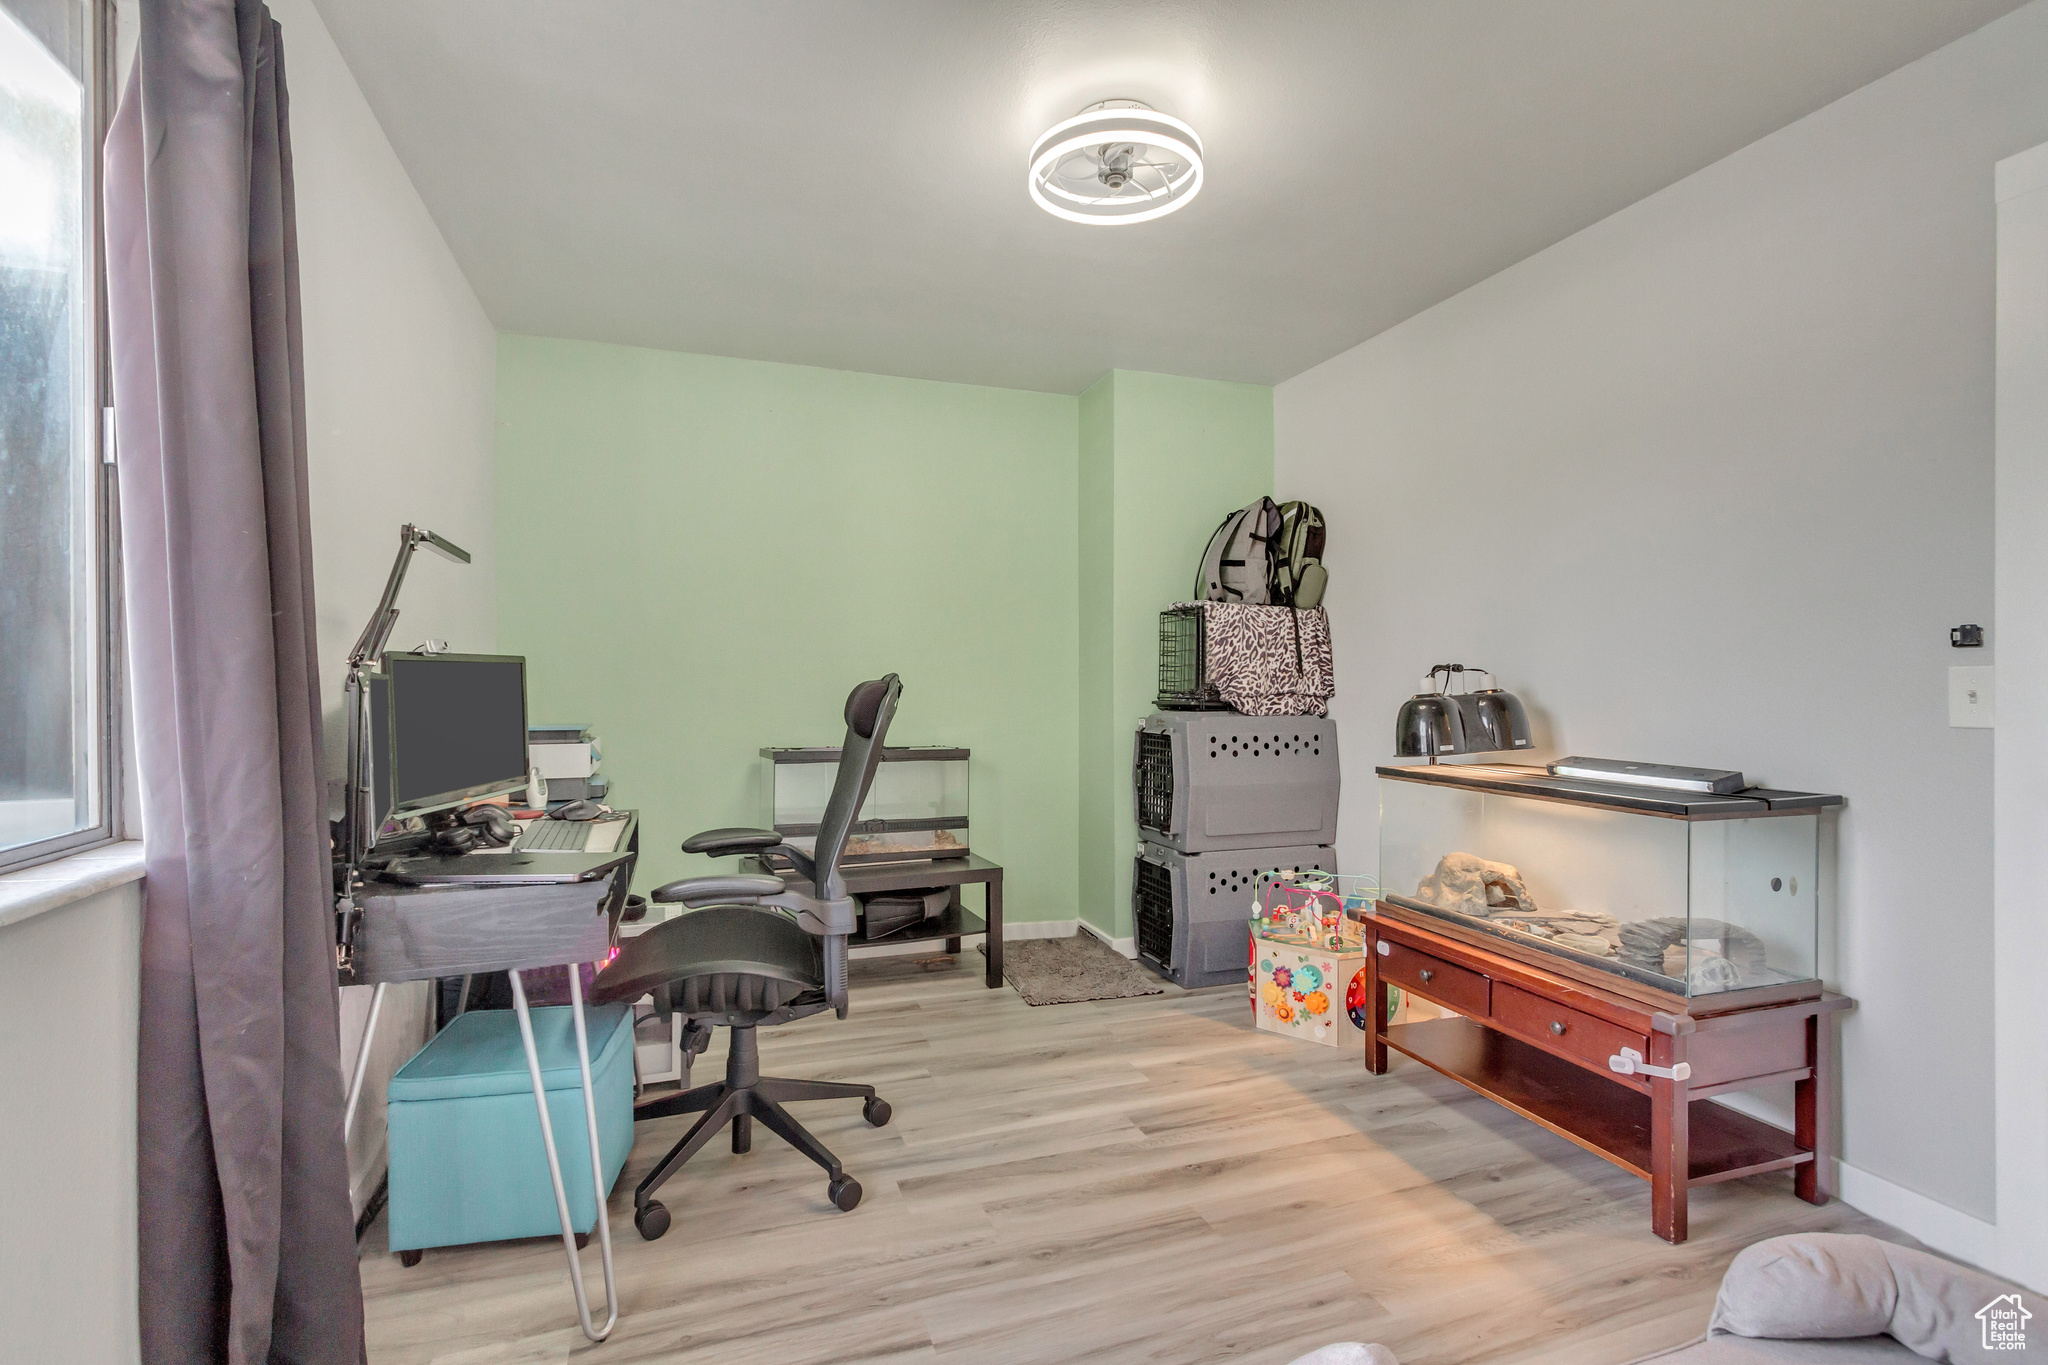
pixel 1474 886
pixel 1686 894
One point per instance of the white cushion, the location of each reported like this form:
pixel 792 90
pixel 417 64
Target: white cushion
pixel 1817 1284
pixel 1349 1353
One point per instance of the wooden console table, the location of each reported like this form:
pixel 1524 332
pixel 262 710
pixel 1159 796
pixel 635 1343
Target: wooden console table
pixel 1539 1043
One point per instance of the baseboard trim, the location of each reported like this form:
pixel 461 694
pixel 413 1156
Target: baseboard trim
pixel 1949 1231
pixel 1038 928
pixel 1127 946
pixel 1013 931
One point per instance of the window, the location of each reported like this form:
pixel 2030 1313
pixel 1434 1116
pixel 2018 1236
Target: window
pixel 55 617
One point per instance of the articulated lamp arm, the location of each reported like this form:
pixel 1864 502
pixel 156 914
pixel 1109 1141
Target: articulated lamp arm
pixel 358 817
pixel 378 632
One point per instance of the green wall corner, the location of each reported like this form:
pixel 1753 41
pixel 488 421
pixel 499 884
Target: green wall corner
pixel 700 556
pixel 1163 459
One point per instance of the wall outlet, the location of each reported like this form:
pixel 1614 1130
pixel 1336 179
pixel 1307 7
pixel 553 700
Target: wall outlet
pixel 1972 697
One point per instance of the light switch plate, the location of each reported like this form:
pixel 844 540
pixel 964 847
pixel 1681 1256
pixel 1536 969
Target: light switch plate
pixel 1972 697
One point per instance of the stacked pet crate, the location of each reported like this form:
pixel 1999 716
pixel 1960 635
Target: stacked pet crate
pixel 1221 798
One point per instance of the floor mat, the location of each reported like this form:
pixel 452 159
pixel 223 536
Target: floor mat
pixel 1066 971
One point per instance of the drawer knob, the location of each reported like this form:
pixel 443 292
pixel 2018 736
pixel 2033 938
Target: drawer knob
pixel 1557 1027
pixel 1427 974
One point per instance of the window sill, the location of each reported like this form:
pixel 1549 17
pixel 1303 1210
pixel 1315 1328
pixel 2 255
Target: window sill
pixel 51 886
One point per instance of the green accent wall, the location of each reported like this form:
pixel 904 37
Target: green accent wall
pixel 1162 460
pixel 700 556
pixel 1099 761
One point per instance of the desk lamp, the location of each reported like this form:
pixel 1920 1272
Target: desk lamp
pixel 358 819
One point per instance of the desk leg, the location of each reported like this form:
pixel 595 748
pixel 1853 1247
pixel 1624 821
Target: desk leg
pixel 993 891
pixel 547 1138
pixel 355 1085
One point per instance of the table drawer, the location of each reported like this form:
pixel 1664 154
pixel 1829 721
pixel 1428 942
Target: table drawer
pixel 1434 979
pixel 1560 1028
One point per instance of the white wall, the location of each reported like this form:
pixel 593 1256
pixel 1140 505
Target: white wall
pixel 2022 740
pixel 1708 483
pixel 68 996
pixel 401 375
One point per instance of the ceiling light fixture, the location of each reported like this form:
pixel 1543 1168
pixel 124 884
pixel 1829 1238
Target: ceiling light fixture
pixel 1116 162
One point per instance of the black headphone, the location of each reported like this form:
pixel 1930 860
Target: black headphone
pixel 478 827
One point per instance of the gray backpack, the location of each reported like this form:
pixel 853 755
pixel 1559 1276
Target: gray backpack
pixel 1267 554
pixel 1238 564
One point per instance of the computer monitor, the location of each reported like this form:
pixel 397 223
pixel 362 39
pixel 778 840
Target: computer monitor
pixel 379 759
pixel 457 727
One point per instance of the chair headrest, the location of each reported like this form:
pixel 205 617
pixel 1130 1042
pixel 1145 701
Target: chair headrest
pixel 864 706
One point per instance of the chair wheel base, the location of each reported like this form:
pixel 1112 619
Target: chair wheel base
pixel 743 1134
pixel 876 1111
pixel 845 1193
pixel 651 1218
pixel 409 1259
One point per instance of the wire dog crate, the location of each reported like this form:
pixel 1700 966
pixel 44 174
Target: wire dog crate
pixel 1152 894
pixel 1154 779
pixel 1184 683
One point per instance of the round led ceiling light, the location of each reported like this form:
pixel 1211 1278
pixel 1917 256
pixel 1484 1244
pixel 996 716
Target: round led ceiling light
pixel 1116 162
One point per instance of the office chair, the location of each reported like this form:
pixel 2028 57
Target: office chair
pixel 753 952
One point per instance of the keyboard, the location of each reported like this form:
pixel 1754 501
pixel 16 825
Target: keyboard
pixel 571 836
pixel 558 835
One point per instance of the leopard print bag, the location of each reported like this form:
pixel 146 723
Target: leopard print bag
pixel 1252 659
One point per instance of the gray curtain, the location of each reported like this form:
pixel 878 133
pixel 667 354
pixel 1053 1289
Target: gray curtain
pixel 247 1241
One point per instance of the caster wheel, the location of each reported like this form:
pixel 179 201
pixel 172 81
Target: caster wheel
pixel 876 1111
pixel 743 1134
pixel 845 1192
pixel 652 1219
pixel 582 1240
pixel 409 1259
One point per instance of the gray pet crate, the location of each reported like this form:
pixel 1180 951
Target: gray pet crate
pixel 1192 911
pixel 1209 780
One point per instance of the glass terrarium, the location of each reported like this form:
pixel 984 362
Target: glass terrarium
pixel 1683 894
pixel 916 806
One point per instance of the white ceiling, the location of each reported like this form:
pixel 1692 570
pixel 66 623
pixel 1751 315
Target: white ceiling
pixel 843 183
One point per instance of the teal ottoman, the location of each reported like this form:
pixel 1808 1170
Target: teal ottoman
pixel 467 1164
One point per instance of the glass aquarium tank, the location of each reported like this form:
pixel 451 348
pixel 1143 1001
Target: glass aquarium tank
pixel 1680 893
pixel 916 806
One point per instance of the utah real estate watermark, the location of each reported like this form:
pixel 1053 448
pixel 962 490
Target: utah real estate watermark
pixel 2005 1323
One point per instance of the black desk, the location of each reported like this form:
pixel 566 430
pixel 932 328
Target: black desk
pixel 481 924
pixel 516 867
pixel 863 879
pixel 472 923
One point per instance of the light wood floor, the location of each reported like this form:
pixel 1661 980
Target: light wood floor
pixel 1146 1180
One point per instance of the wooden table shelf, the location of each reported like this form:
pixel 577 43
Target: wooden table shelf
pixel 953 922
pixel 866 879
pixel 1605 1117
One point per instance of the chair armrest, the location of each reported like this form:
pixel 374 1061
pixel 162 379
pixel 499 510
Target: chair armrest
pixel 737 887
pixel 721 843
